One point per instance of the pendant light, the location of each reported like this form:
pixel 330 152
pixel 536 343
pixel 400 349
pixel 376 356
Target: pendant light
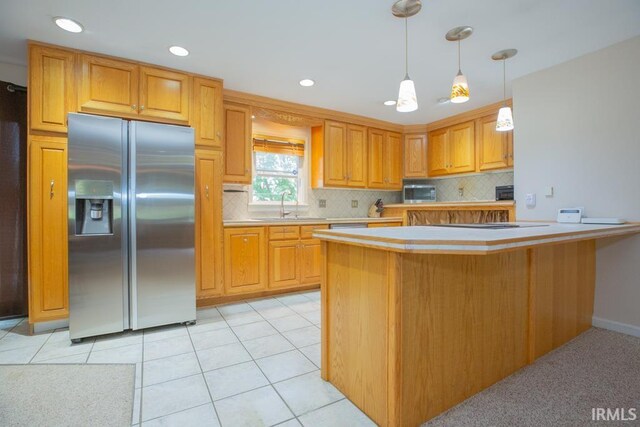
pixel 505 117
pixel 460 87
pixel 407 99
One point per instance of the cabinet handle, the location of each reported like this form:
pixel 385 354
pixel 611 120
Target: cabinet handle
pixel 141 107
pixel 51 184
pixel 218 134
pixel 504 157
pixel 206 191
pixel 245 240
pixel 246 171
pixel 134 106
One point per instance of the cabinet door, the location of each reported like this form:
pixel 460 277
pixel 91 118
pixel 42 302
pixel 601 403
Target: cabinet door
pixel 245 260
pixel 462 148
pixel 510 147
pixel 207 114
pixel 164 94
pixel 335 154
pixel 208 223
pixel 47 186
pixel 393 160
pixel 415 156
pixel 438 152
pixel 375 169
pixel 108 86
pixel 51 88
pixel 493 146
pixel 284 268
pixel 311 261
pixel 356 156
pixel 237 146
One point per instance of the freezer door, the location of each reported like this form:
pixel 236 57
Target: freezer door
pixel 97 218
pixel 162 263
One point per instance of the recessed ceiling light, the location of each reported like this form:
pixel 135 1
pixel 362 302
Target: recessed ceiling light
pixel 68 24
pixel 444 100
pixel 389 103
pixel 307 82
pixel 178 51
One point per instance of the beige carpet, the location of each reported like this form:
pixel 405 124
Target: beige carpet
pixel 66 395
pixel 597 369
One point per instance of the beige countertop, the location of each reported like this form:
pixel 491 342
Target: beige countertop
pixel 505 203
pixel 260 222
pixel 449 240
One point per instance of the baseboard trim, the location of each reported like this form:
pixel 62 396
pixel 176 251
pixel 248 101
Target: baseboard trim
pixel 49 325
pixel 611 325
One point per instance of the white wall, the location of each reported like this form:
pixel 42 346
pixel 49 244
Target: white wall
pixel 13 73
pixel 578 130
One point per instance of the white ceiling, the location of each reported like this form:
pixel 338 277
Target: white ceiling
pixel 352 48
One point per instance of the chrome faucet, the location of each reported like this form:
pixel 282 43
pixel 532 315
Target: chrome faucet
pixel 282 212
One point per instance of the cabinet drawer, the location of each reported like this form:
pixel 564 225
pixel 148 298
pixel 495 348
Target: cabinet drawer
pixel 284 232
pixel 306 231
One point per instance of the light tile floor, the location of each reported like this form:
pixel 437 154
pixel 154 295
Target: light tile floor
pixel 253 363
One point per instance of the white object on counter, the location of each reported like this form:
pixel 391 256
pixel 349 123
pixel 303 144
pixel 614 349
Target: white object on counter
pixel 612 221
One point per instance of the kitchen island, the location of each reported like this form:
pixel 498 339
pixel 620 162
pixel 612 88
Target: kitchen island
pixel 417 319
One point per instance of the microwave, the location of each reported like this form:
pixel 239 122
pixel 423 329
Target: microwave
pixel 418 191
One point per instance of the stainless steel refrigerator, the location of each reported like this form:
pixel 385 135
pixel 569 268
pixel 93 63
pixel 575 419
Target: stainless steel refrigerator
pixel 131 225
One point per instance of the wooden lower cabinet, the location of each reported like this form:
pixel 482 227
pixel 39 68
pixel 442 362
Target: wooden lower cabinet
pixel 284 263
pixel 310 261
pixel 47 188
pixel 208 238
pixel 245 260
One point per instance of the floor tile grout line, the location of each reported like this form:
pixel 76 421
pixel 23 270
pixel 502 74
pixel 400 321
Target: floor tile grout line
pixel 39 349
pixel 206 384
pixel 265 375
pixel 295 346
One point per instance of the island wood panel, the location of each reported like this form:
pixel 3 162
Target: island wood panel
pixel 464 327
pixel 355 324
pixel 562 292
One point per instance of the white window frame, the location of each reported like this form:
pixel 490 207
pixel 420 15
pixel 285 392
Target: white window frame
pixel 303 187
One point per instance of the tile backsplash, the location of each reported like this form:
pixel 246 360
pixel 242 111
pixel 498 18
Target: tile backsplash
pixel 474 187
pixel 338 204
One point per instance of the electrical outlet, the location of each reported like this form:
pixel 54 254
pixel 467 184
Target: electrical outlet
pixel 461 191
pixel 354 203
pixel 322 203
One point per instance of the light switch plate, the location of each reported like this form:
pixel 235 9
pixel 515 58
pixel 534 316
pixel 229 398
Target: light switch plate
pixel 322 203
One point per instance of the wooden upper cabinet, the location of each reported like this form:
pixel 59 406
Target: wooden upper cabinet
pixel 164 94
pixel 108 86
pixel 356 156
pixel 385 159
pixel 51 88
pixel 207 115
pixel 208 236
pixel 415 156
pixel 494 148
pixel 375 169
pixel 451 150
pixel 237 145
pixel 438 152
pixel 245 260
pixel 335 154
pixel 47 188
pixel 462 157
pixel 393 160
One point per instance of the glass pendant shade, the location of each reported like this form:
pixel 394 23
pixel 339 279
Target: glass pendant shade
pixel 459 89
pixel 505 120
pixel 407 99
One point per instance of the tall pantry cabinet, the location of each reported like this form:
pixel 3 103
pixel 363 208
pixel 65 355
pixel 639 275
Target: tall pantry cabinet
pixel 65 80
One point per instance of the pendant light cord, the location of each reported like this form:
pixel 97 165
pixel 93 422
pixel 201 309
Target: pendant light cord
pixel 406 46
pixel 459 68
pixel 504 81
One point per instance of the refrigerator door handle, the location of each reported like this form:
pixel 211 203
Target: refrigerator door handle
pixel 133 289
